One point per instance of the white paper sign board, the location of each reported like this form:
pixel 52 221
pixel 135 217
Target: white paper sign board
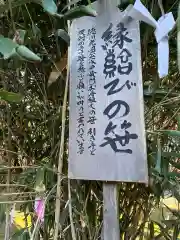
pixel 107 133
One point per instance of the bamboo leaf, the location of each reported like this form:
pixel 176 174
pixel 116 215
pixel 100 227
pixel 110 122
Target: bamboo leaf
pixel 10 96
pixel 172 162
pixel 7 47
pixel 175 164
pixel 64 35
pixel 157 189
pixel 173 174
pixel 80 11
pixel 36 31
pixel 10 48
pixel 49 6
pixel 20 234
pixel 39 186
pixel 172 133
pixel 27 54
pixel 171 154
pixel 70 4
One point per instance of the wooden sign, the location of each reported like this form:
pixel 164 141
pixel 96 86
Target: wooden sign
pixel 107 133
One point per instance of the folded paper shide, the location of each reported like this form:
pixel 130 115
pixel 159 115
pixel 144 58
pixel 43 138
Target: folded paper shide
pixel 163 26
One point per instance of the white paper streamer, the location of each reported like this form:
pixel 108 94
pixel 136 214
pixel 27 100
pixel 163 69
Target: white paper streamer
pixel 163 26
pixel 140 12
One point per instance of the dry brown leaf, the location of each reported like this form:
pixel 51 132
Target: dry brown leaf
pixel 57 70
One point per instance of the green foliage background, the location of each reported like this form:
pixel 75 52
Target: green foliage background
pixel 31 128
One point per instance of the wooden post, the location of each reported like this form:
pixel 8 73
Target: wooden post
pixel 110 212
pixel 111 228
